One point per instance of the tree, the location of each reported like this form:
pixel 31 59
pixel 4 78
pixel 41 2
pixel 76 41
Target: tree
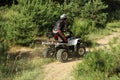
pixel 8 2
pixel 93 11
pixel 113 9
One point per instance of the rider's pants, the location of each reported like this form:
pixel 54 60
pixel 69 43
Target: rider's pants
pixel 59 33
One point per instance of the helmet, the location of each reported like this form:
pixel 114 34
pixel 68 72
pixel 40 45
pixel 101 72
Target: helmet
pixel 63 16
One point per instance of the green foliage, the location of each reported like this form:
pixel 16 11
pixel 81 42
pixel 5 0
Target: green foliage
pixel 115 24
pixel 45 15
pixel 99 11
pixel 29 18
pixel 114 15
pixel 99 33
pixel 92 16
pixel 2 31
pixel 100 65
pixel 82 28
pixel 93 11
pixel 49 12
pixel 113 9
pixel 7 2
pixel 18 27
pixel 20 30
pixel 1 48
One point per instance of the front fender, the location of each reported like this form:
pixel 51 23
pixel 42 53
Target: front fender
pixel 73 41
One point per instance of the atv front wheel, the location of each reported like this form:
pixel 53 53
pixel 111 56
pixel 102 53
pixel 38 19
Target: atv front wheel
pixel 48 53
pixel 62 55
pixel 81 51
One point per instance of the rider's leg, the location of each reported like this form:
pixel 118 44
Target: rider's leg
pixel 62 36
pixel 56 37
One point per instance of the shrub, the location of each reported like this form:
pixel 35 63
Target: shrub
pixel 93 11
pixel 19 28
pixel 17 25
pixel 46 13
pixel 34 17
pixel 49 12
pixel 113 9
pixel 82 27
pixel 2 21
pixel 114 15
pixel 98 65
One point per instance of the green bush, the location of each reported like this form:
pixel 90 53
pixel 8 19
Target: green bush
pixel 82 27
pixel 3 48
pixel 29 18
pixel 45 16
pixel 114 15
pixel 49 12
pixel 20 29
pixel 113 9
pixel 2 21
pixel 93 11
pixel 99 65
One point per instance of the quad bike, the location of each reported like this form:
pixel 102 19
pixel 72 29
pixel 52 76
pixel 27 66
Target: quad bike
pixel 63 51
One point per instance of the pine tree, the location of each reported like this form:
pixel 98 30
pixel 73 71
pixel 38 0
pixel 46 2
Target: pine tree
pixel 93 11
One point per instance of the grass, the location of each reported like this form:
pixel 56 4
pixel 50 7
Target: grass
pixel 115 24
pixel 34 72
pixel 100 33
pixel 24 68
pixel 29 75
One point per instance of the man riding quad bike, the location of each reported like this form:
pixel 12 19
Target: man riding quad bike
pixel 69 47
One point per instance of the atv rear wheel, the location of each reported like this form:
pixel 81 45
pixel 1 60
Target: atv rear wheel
pixel 48 53
pixel 62 55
